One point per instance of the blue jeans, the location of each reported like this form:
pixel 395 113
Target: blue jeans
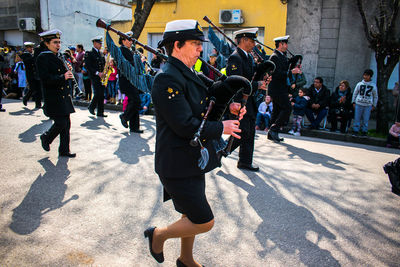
pixel 112 88
pixel 361 113
pixel 320 116
pixel 265 117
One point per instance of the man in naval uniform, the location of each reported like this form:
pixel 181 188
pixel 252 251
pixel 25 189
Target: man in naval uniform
pixel 56 93
pixel 278 88
pixel 94 63
pixel 241 63
pixel 31 75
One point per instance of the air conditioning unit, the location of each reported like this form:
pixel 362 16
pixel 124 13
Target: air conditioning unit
pixel 27 24
pixel 230 16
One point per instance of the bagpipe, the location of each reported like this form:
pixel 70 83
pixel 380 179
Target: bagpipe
pixel 294 60
pixel 263 67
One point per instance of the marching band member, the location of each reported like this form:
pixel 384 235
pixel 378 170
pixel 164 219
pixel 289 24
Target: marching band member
pixel 31 75
pixel 278 89
pixel 242 63
pixel 180 98
pixel 131 113
pixel 56 91
pixel 94 63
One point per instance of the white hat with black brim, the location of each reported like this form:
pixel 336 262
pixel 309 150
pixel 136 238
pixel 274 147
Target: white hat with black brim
pixel 282 39
pixel 251 33
pixel 182 30
pixel 52 34
pixel 29 44
pixel 97 39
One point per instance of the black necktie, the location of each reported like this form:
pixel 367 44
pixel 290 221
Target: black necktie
pixel 249 58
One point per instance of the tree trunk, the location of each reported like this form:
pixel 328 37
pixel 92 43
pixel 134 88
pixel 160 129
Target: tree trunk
pixel 385 66
pixel 382 119
pixel 142 12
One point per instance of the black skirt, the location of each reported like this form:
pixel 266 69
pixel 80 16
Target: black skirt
pixel 189 197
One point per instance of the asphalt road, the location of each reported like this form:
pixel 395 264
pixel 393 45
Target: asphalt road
pixel 314 202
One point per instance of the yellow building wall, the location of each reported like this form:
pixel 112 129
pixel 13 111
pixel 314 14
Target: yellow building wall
pixel 269 14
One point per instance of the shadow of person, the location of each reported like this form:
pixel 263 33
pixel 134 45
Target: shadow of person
pixel 95 123
pixel 45 194
pixel 132 147
pixel 314 158
pixel 23 111
pixel 286 225
pixel 30 135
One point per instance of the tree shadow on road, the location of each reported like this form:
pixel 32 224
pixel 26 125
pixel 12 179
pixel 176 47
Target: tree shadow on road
pixel 46 194
pixel 29 136
pixel 284 224
pixel 314 158
pixel 95 123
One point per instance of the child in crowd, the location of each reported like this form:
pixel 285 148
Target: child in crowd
pixel 87 83
pixel 365 98
pixel 112 82
pixel 20 71
pixel 299 105
pixel 264 113
pixel 394 135
pixel 145 100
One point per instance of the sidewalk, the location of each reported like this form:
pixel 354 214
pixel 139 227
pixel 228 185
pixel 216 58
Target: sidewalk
pixel 323 133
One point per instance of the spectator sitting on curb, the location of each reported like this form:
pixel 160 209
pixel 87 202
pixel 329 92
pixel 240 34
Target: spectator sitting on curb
pixel 393 137
pixel 318 104
pixel 340 108
pixel 264 114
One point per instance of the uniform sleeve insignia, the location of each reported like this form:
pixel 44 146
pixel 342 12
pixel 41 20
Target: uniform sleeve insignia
pixel 172 93
pixel 234 67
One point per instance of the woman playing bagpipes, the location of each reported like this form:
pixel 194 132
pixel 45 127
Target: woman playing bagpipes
pixel 181 98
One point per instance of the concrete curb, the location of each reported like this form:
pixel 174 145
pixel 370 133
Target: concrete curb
pixel 373 141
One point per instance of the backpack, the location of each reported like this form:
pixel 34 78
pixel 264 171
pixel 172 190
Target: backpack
pixel 393 170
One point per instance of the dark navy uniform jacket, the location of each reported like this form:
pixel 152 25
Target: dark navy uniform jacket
pixel 180 100
pixel 94 62
pixel 240 64
pixel 56 91
pixel 279 85
pixel 124 84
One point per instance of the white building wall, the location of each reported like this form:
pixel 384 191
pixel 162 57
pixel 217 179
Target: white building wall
pixel 77 18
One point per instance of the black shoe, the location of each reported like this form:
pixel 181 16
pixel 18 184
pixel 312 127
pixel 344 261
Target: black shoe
pixel 355 134
pixel 273 135
pixel 24 101
pixel 123 121
pixel 395 191
pixel 159 257
pixel 136 131
pixel 364 134
pixel 91 111
pixel 102 115
pixel 45 144
pixel 249 167
pixel 68 154
pixel 38 106
pixel 2 110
